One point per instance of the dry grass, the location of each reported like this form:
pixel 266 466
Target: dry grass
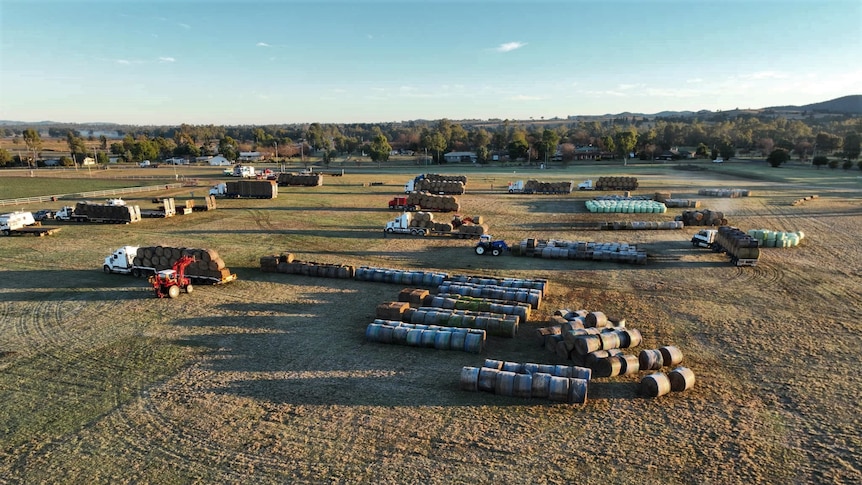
pixel 269 379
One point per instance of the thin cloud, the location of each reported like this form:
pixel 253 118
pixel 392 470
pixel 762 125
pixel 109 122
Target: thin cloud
pixel 263 44
pixel 167 59
pixel 694 81
pixel 124 62
pixel 510 46
pixel 185 26
pixel 524 97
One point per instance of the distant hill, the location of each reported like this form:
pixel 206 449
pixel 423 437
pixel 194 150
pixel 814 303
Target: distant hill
pixel 845 105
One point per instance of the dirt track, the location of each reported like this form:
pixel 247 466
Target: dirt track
pixel 269 379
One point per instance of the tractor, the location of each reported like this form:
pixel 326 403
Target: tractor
pixel 486 245
pixel 169 282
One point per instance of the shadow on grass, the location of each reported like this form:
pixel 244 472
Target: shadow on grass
pixel 63 284
pixel 356 232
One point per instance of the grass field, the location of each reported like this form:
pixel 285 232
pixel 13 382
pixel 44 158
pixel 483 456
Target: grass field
pixel 269 378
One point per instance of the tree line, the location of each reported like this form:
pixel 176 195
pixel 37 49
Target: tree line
pixel 748 135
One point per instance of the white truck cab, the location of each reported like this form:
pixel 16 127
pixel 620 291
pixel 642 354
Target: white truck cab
pixel 586 185
pixel 704 238
pixel 14 221
pixel 516 187
pixel 120 261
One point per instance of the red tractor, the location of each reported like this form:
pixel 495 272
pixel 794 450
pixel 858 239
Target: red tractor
pixel 169 282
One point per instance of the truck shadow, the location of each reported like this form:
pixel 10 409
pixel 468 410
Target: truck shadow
pixel 58 285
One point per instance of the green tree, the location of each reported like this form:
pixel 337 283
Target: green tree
pixel 481 138
pixel 379 148
pixel 833 163
pixel 852 145
pixel 76 144
pixel 33 141
pixel 777 157
pixel 227 146
pixel 625 141
pixel 483 154
pixel 102 158
pixel 548 145
pixel 5 157
pixel 519 147
pixel 103 142
pixel 820 160
pixel 66 161
pixel 607 142
pixel 435 143
pixel 847 165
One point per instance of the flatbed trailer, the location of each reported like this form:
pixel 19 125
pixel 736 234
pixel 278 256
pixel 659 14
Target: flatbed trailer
pixel 39 231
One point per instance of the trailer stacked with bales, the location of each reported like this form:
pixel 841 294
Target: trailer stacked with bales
pixel 425 201
pixel 141 262
pixel 104 213
pixel 303 179
pixel 437 184
pixel 254 189
pixel 616 183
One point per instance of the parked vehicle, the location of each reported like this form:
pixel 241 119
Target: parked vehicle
pixel 44 215
pixel 742 249
pixel 169 282
pixel 89 212
pixel 426 202
pixel 21 223
pixel 437 184
pixel 256 189
pixel 422 224
pixel 586 185
pixel 125 260
pixel 244 171
pixel 487 246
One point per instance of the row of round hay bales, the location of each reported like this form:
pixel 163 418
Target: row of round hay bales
pixel 163 257
pixel 539 385
pixel 729 237
pixel 659 383
pixel 804 199
pixel 523 295
pixel 703 217
pixel 776 239
pixel 301 179
pixel 528 283
pixel 428 336
pixel 692 203
pixel 269 263
pixel 497 324
pixel 440 186
pixel 401 277
pixel 539 187
pixel 428 201
pixel 616 183
pixel 121 213
pixel 640 225
pixel 618 197
pixel 452 301
pixel 473 229
pixel 532 368
pixel 732 193
pixel 556 249
pixel 438 177
pixel 626 206
pixel 422 219
pixel 323 270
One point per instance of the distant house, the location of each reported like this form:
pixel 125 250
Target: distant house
pixel 587 152
pixel 249 156
pixel 88 161
pixel 218 161
pixel 52 163
pixel 177 161
pixel 455 157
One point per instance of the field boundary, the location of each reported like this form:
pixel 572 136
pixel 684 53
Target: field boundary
pixel 84 195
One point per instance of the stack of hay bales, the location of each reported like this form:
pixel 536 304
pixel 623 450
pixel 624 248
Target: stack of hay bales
pixel 626 206
pixel 567 384
pixel 423 219
pixel 737 242
pixel 441 186
pixel 285 263
pixel 438 177
pixel 527 283
pixel 693 203
pixel 454 301
pixel 498 324
pixel 776 239
pixel 703 217
pixel 117 213
pixel 732 193
pixel 616 183
pixel 428 336
pixel 538 187
pixel 522 295
pixel 556 249
pixel 399 276
pixel 302 179
pixel 257 189
pixel 427 201
pixel 638 225
pixel 207 263
pixel 804 199
pixel 473 229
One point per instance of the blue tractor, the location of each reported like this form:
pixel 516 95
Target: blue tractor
pixel 486 245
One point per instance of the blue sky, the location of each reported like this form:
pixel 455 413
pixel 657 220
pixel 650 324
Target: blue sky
pixel 261 62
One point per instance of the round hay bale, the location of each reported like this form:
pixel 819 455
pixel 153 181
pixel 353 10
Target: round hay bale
pixel 655 385
pixel 681 379
pixel 469 379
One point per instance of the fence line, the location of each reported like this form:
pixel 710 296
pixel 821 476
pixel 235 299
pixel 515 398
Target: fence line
pixel 84 195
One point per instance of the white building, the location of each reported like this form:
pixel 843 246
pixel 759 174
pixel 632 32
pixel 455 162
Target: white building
pixel 218 161
pixel 88 161
pixel 177 161
pixel 455 157
pixel 249 156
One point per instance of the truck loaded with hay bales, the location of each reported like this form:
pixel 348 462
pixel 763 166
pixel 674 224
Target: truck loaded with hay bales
pixel 104 213
pixel 254 189
pixel 426 202
pixel 304 179
pixel 423 224
pixel 742 248
pixel 437 184
pixel 616 183
pixel 539 187
pixel 141 262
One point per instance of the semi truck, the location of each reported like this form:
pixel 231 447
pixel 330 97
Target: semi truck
pixel 104 213
pixel 131 260
pixel 21 223
pixel 437 184
pixel 742 249
pixel 539 187
pixel 427 202
pixel 244 171
pixel 255 189
pixel 423 224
